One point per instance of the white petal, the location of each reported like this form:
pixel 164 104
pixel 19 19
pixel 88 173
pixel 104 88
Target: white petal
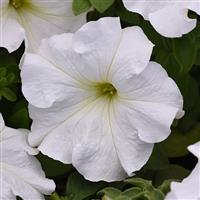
pixel 74 137
pixel 4 4
pixel 172 21
pixel 24 182
pixel 8 135
pixel 81 67
pixel 6 193
pixel 195 149
pixel 50 84
pixel 133 153
pixel 144 7
pixel 148 86
pixel 195 6
pixel 45 120
pixel 133 53
pixel 168 17
pixel 59 13
pixel 96 44
pixel 55 48
pixel 90 154
pixel 12 34
pixel 151 120
pixel 18 187
pixel 21 173
pixel 2 124
pixel 56 16
pixel 102 51
pixel 96 33
pixel 85 141
pixel 189 187
pixel 151 99
pixel 43 83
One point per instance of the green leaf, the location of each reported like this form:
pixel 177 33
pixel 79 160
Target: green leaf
pixel 185 53
pixel 173 172
pixel 165 187
pixel 131 192
pixel 194 36
pixel 78 188
pixel 164 56
pixel 8 94
pixel 128 17
pixel 197 62
pixel 155 195
pixel 55 196
pixel 147 189
pixel 191 118
pixel 153 35
pixel 10 78
pixel 176 144
pixel 80 6
pixel 110 192
pixel 139 182
pixel 52 167
pixel 158 159
pixel 122 197
pixel 3 82
pixel 189 90
pixel 19 117
pixel 3 72
pixel 143 190
pixel 102 5
pixel 9 62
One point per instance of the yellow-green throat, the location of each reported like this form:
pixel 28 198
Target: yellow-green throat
pixel 17 3
pixel 106 89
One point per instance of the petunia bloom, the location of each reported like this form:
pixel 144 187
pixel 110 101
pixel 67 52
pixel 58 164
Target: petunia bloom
pixel 189 188
pixel 34 20
pixel 169 18
pixel 97 102
pixel 21 173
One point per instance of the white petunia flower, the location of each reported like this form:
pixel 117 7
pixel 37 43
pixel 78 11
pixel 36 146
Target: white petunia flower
pixel 98 101
pixel 34 20
pixel 21 173
pixel 168 17
pixel 189 188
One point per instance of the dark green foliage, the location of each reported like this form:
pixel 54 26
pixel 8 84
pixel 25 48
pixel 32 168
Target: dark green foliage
pixel 9 76
pixel 80 6
pixel 102 5
pixel 138 189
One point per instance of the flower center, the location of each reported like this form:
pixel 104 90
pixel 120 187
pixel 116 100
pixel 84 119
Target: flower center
pixel 17 3
pixel 107 89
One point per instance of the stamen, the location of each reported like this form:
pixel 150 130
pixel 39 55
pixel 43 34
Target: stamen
pixel 107 89
pixel 17 3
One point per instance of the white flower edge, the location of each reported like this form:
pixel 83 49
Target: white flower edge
pixel 35 21
pixel 15 35
pixel 21 172
pixel 168 18
pixel 189 188
pixel 68 118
